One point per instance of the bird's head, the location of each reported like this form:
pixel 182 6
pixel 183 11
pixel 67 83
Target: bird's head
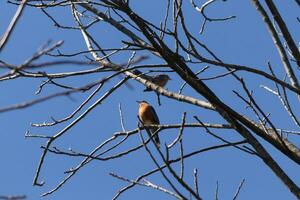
pixel 164 77
pixel 143 102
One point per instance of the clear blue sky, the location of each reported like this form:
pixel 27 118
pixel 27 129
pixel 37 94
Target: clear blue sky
pixel 243 40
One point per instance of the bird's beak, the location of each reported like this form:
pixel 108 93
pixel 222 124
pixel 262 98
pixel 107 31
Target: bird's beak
pixel 138 101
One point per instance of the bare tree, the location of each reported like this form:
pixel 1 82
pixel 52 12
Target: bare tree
pixel 171 46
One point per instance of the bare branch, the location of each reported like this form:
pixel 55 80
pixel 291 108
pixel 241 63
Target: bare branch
pixel 179 136
pixel 284 30
pixel 217 191
pixel 13 197
pixel 238 190
pixel 11 27
pixel 196 181
pixel 147 184
pixel 278 44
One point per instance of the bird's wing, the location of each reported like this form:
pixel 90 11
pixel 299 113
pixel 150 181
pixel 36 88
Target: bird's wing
pixel 155 117
pixel 144 76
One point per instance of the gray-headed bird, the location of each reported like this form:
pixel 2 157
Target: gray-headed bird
pixel 160 80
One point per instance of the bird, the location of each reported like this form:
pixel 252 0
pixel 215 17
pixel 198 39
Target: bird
pixel 160 80
pixel 148 116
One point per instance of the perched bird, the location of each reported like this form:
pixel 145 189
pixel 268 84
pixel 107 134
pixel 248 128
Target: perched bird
pixel 160 80
pixel 148 116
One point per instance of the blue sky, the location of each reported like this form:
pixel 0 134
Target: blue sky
pixel 243 40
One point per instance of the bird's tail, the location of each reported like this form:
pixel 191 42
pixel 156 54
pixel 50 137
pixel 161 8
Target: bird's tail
pixel 147 90
pixel 155 137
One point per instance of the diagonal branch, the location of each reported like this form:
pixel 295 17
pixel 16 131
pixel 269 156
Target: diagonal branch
pixel 284 30
pixel 283 56
pixel 11 27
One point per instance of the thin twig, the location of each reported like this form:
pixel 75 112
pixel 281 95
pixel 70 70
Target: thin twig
pixel 11 27
pixel 196 181
pixel 238 190
pixel 217 190
pixel 146 183
pixel 121 118
pixel 179 136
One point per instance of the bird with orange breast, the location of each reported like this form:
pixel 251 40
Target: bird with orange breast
pixel 148 116
pixel 160 80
